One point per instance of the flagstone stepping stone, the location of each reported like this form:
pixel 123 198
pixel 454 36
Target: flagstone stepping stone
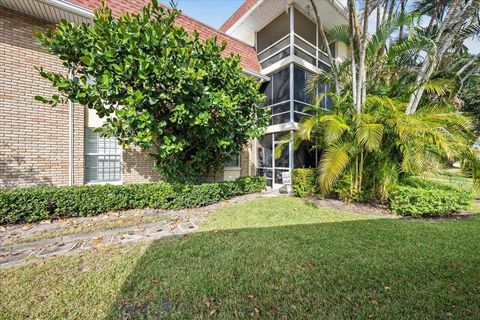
pixel 158 231
pixel 59 248
pixel 98 242
pixel 187 226
pixel 130 237
pixel 16 256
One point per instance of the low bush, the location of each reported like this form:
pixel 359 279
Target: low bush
pixel 417 182
pixel 423 198
pixel 33 204
pixel 304 182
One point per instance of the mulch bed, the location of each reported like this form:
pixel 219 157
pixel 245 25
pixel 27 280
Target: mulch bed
pixel 380 210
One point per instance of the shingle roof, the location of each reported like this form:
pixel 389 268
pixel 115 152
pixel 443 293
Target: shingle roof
pixel 247 53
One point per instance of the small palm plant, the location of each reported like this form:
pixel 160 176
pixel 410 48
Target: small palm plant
pixel 364 155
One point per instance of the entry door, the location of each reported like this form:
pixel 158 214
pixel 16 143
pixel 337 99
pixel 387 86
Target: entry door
pixel 282 163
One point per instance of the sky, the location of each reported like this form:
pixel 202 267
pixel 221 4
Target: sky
pixel 212 12
pixel 215 12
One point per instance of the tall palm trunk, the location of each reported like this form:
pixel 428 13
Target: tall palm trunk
pixel 361 81
pixel 327 47
pixel 457 14
pixel 403 4
pixel 351 18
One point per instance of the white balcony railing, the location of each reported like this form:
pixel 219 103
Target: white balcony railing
pixel 301 48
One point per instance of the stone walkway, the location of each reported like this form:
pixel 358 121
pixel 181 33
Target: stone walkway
pixel 176 223
pixel 19 253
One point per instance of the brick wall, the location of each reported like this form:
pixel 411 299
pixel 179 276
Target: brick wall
pixel 245 163
pixel 138 167
pixel 33 136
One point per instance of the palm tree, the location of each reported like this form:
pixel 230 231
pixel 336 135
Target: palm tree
pixel 365 152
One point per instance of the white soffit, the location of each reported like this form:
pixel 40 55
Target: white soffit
pixel 332 12
pixel 49 10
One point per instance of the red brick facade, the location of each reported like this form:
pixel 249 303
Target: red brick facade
pixel 137 167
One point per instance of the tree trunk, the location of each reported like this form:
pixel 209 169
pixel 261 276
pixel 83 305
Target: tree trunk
pixel 378 14
pixel 390 10
pixel 361 87
pixel 351 19
pixel 431 61
pixel 403 4
pixel 327 47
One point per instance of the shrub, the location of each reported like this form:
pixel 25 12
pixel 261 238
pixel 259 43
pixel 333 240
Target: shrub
pixel 33 204
pixel 417 182
pixel 422 198
pixel 304 182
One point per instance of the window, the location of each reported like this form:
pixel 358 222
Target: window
pixel 267 165
pixel 232 163
pixel 326 102
pixel 281 86
pixel 300 84
pixel 301 97
pixel 278 96
pixel 305 156
pixel 103 161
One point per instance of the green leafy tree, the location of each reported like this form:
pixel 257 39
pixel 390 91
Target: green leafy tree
pixel 159 87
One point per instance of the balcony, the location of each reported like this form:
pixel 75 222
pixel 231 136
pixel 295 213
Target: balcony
pixel 301 48
pixel 287 96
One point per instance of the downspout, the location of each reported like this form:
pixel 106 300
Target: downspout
pixel 70 139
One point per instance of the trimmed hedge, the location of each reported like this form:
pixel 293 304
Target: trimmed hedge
pixel 304 182
pixel 423 198
pixel 33 204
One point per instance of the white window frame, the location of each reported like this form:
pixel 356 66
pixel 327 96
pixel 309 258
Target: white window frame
pixel 120 154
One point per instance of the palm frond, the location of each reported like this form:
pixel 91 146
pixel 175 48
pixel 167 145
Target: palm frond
pixel 369 135
pixel 440 86
pixel 334 161
pixel 335 126
pixel 385 31
pixel 340 33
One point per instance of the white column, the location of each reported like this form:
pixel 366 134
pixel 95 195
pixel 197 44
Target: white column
pixel 70 140
pixel 317 45
pixel 292 42
pixel 292 69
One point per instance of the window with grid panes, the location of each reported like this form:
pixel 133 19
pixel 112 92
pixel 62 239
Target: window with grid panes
pixel 103 158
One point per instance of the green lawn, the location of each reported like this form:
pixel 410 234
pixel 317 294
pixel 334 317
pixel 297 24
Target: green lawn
pixel 271 258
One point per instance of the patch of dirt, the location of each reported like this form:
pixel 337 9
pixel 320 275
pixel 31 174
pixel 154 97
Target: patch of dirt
pixel 381 210
pixel 456 216
pixel 360 208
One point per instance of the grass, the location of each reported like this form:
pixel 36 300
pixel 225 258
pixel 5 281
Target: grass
pixel 274 213
pixel 276 258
